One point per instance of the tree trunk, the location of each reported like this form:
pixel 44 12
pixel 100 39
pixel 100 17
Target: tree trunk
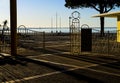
pixel 13 26
pixel 101 20
pixel 102 26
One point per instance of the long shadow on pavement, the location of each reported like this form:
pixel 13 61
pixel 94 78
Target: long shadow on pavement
pixel 76 75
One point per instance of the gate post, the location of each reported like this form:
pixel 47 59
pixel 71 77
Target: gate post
pixel 86 39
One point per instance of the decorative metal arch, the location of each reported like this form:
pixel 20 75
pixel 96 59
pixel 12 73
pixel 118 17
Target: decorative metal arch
pixel 74 24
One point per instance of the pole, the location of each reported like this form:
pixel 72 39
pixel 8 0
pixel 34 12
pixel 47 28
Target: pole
pixel 60 24
pixel 108 42
pixel 13 26
pixel 70 33
pixel 56 22
pixel 51 24
pixel 44 41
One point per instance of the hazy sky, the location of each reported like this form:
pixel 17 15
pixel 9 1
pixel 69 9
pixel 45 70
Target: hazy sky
pixel 39 13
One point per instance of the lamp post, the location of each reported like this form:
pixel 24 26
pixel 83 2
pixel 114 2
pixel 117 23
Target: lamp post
pixel 13 26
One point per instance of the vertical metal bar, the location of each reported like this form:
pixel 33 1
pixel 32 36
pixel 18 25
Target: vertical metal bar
pixel 108 42
pixel 56 22
pixel 43 40
pixel 51 24
pixel 13 26
pixel 70 35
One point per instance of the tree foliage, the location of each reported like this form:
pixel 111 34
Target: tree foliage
pixel 102 6
pixel 5 23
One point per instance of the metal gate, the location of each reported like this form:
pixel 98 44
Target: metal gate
pixel 31 42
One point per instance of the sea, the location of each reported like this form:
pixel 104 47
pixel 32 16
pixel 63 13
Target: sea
pixel 67 29
pixel 61 29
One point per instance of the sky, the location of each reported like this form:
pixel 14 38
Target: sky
pixel 42 13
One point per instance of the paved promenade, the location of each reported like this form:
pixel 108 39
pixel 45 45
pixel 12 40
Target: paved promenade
pixel 58 68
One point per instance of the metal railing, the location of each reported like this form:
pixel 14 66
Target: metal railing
pixel 44 42
pixel 107 44
pixel 5 40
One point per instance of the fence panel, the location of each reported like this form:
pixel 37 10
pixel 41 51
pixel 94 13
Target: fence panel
pixel 107 44
pixel 5 40
pixel 32 42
